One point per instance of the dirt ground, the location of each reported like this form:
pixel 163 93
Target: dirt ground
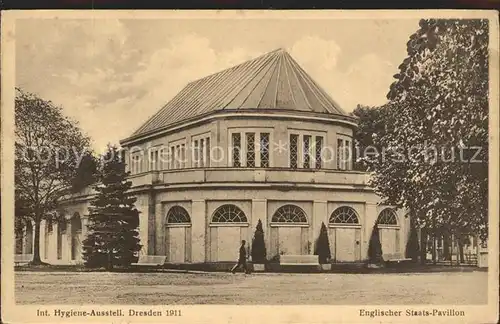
pixel 270 289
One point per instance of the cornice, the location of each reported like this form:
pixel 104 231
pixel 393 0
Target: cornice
pixel 239 114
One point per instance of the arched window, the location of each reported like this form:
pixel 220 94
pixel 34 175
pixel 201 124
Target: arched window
pixel 178 215
pixel 76 223
pixel 62 225
pixel 344 215
pixel 289 214
pixel 229 214
pixel 49 226
pixel 387 217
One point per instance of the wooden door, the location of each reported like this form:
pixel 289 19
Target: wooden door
pixel 228 243
pixel 176 244
pixel 344 245
pixel 389 241
pixel 290 241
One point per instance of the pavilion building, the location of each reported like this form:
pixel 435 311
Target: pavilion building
pixel 258 141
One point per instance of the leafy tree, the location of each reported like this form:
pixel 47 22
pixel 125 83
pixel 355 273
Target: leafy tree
pixel 323 245
pixel 86 173
pixel 48 149
pixel 370 125
pixel 374 247
pixel 259 245
pixel 113 238
pixel 435 123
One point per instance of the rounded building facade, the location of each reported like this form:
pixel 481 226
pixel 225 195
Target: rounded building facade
pixel 260 141
pixel 284 170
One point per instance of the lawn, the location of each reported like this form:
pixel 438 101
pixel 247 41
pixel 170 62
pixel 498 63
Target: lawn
pixel 270 289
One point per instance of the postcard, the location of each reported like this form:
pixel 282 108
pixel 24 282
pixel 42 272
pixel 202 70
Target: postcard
pixel 250 166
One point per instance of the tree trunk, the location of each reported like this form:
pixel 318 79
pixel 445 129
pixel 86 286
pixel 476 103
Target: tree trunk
pixel 434 249
pixel 423 246
pixel 446 246
pixel 452 247
pixel 461 249
pixel 36 244
pixel 109 266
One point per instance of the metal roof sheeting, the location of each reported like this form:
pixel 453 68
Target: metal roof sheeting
pixel 271 81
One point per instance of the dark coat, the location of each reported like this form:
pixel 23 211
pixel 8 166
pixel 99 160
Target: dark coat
pixel 243 253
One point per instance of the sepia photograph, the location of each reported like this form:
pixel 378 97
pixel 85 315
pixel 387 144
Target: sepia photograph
pixel 247 159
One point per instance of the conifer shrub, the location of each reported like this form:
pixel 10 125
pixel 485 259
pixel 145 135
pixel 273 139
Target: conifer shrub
pixel 259 245
pixel 113 238
pixel 375 248
pixel 323 246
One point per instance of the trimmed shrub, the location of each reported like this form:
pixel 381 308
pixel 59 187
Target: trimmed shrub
pixel 323 246
pixel 258 245
pixel 412 246
pixel 375 248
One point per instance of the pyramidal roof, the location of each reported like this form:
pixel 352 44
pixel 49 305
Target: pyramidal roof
pixel 271 81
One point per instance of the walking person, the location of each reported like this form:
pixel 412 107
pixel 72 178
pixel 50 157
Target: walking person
pixel 242 259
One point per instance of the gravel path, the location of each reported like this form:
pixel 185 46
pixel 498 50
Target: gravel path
pixel 270 289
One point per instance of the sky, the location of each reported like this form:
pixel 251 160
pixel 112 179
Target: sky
pixel 111 75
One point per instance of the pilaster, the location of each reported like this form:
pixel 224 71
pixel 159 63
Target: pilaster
pixel 198 231
pixel 259 211
pixel 85 222
pixel 320 215
pixel 368 223
pixel 66 246
pixel 300 150
pixel 188 154
pixel 143 224
pixel 404 231
pixel 151 223
pixel 55 238
pixel 257 149
pixel 160 229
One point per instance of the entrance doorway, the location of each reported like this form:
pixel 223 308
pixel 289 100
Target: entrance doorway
pixel 289 231
pixel 345 235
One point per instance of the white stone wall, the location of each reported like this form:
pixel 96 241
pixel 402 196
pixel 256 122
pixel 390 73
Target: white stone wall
pixel 266 202
pixel 256 203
